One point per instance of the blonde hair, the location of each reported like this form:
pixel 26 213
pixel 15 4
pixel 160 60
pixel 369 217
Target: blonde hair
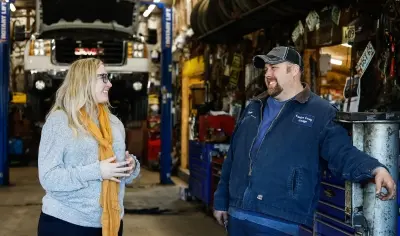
pixel 78 91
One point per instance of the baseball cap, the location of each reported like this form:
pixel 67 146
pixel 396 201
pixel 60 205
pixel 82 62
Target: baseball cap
pixel 278 55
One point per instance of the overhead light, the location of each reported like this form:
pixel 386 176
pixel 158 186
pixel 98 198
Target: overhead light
pixel 346 45
pixel 336 62
pixel 146 13
pixel 12 7
pixel 149 10
pixel 151 7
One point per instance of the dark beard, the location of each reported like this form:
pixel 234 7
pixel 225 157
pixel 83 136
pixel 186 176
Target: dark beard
pixel 273 92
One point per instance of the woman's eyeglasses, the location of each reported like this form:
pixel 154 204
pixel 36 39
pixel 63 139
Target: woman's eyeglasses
pixel 104 77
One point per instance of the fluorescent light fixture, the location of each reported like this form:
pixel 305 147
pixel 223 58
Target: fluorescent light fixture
pixel 346 45
pixel 146 13
pixel 150 9
pixel 12 7
pixel 336 62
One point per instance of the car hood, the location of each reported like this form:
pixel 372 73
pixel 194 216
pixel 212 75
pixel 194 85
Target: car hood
pixel 115 15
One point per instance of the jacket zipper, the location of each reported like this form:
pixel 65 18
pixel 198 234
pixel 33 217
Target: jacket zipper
pixel 272 123
pixel 258 130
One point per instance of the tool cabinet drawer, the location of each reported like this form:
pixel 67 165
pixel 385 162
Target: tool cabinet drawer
pixel 199 184
pixel 304 231
pixel 196 188
pixel 195 149
pixel 332 194
pixel 331 210
pixel 332 224
pixel 198 156
pixel 322 228
pixel 198 162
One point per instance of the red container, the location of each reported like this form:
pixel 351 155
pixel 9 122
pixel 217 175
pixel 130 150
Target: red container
pixel 153 149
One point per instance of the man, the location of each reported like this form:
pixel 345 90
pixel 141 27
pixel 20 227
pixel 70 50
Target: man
pixel 270 178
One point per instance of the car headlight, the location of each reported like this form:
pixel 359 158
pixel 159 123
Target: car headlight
pixel 138 54
pixel 39 47
pixel 136 50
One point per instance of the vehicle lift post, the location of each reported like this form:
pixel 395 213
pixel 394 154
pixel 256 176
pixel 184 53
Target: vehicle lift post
pixel 4 92
pixel 166 92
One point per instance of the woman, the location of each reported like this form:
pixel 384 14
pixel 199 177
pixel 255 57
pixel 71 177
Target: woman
pixel 83 165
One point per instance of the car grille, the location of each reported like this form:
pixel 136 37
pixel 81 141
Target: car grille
pixel 110 52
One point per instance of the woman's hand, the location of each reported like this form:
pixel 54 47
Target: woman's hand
pixel 130 161
pixel 112 170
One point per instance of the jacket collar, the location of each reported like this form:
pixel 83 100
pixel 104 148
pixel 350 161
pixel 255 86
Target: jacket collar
pixel 301 97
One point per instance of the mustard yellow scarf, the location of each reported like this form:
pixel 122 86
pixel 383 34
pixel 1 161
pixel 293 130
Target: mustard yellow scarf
pixel 110 218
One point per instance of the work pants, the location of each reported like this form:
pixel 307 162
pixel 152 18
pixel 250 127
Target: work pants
pixel 238 227
pixel 51 226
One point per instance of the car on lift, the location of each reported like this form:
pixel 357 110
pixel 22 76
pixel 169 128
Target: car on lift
pixel 67 30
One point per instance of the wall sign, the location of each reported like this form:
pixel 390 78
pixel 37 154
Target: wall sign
pixel 168 27
pixel 349 34
pixel 365 59
pixel 4 19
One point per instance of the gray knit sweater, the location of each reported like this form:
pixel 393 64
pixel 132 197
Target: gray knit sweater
pixel 69 171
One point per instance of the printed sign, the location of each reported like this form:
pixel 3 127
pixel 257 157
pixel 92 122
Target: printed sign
pixel 336 14
pixel 312 20
pixel 168 27
pixel 4 15
pixel 235 70
pixel 349 34
pixel 298 31
pixel 365 59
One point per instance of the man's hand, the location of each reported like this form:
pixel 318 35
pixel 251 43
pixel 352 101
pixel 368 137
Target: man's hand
pixel 384 179
pixel 131 162
pixel 221 216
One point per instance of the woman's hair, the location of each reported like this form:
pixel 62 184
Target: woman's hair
pixel 78 91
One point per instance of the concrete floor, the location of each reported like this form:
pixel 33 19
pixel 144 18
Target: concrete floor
pixel 20 206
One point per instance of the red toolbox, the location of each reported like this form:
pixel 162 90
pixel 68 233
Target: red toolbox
pixel 153 149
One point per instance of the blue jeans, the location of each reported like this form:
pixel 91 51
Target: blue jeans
pixel 238 227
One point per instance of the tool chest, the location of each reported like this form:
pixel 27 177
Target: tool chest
pixel 200 170
pixel 330 218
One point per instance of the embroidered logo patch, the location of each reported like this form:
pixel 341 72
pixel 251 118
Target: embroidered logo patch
pixel 250 113
pixel 303 119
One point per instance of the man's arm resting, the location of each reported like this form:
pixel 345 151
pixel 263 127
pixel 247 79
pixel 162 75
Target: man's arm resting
pixel 345 160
